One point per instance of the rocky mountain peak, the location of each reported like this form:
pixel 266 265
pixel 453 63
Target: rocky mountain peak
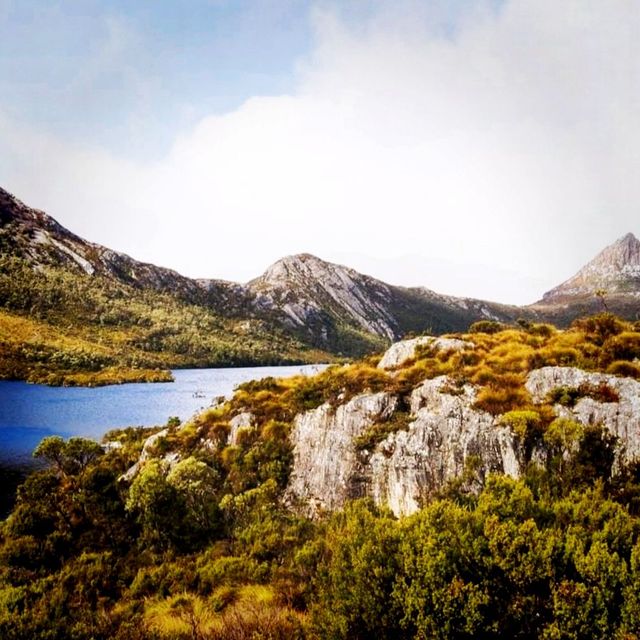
pixel 303 286
pixel 616 269
pixel 624 252
pixel 300 268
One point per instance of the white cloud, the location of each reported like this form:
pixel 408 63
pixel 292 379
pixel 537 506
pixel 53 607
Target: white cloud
pixel 509 148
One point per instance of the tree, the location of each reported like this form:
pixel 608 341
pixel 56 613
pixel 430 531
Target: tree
pixel 197 485
pixel 69 458
pixel 156 505
pixel 356 577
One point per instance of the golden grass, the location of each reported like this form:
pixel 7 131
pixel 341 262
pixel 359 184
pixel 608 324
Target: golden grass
pixel 249 611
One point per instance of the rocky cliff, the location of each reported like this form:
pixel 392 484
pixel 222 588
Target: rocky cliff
pixel 444 432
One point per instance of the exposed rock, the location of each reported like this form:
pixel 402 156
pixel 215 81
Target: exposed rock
pixel 405 350
pixel 621 418
pixel 170 459
pixel 445 431
pixel 616 269
pixel 407 465
pixel 326 461
pixel 241 421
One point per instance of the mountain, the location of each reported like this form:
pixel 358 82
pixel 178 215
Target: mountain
pixel 615 270
pixel 36 237
pixel 323 305
pixel 609 282
pixel 74 312
pixel 301 308
pixel 330 304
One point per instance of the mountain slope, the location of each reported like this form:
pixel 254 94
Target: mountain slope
pixel 37 238
pixel 321 296
pixel 73 312
pixel 609 282
pixel 615 270
pixel 301 308
pixel 320 304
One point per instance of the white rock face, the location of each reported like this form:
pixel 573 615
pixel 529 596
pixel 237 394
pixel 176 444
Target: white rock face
pixel 409 465
pixel 241 421
pixel 400 352
pixel 444 431
pixel 297 284
pixel 326 462
pixel 620 418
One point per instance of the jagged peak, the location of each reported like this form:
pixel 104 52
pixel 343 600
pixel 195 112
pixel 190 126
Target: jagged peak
pixel 628 238
pixel 615 268
pixel 624 251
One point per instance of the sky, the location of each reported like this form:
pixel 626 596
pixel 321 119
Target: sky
pixel 478 148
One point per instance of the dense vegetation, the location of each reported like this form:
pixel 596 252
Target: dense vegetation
pixel 60 327
pixel 206 548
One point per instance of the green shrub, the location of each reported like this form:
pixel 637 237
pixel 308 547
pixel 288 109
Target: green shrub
pixel 487 326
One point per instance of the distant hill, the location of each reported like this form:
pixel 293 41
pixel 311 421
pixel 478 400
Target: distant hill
pixel 300 309
pixel 611 281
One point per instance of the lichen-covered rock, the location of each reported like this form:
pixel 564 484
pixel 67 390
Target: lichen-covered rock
pixel 243 420
pixel 409 465
pixel 621 418
pixel 327 469
pixel 400 352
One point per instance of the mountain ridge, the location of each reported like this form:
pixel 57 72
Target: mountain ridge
pixel 320 305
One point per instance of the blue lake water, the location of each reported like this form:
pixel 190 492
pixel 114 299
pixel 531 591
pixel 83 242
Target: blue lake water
pixel 30 412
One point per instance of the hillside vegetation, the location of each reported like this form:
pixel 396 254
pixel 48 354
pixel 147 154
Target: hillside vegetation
pixel 60 327
pixel 207 548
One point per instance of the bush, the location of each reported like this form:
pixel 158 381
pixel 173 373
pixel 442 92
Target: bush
pixel 625 369
pixel 487 326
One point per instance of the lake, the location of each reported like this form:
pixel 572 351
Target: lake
pixel 30 412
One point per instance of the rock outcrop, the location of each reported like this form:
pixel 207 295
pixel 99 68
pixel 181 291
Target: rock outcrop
pixel 243 420
pixel 443 433
pixel 622 418
pixel 401 352
pixel 410 465
pixel 326 465
pixel 406 466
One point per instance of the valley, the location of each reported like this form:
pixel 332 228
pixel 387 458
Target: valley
pixel 76 313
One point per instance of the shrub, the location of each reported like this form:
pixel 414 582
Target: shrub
pixel 569 396
pixel 625 346
pixel 626 369
pixel 487 326
pixel 599 327
pixel 500 400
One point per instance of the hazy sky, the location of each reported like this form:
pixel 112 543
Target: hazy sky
pixel 477 148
